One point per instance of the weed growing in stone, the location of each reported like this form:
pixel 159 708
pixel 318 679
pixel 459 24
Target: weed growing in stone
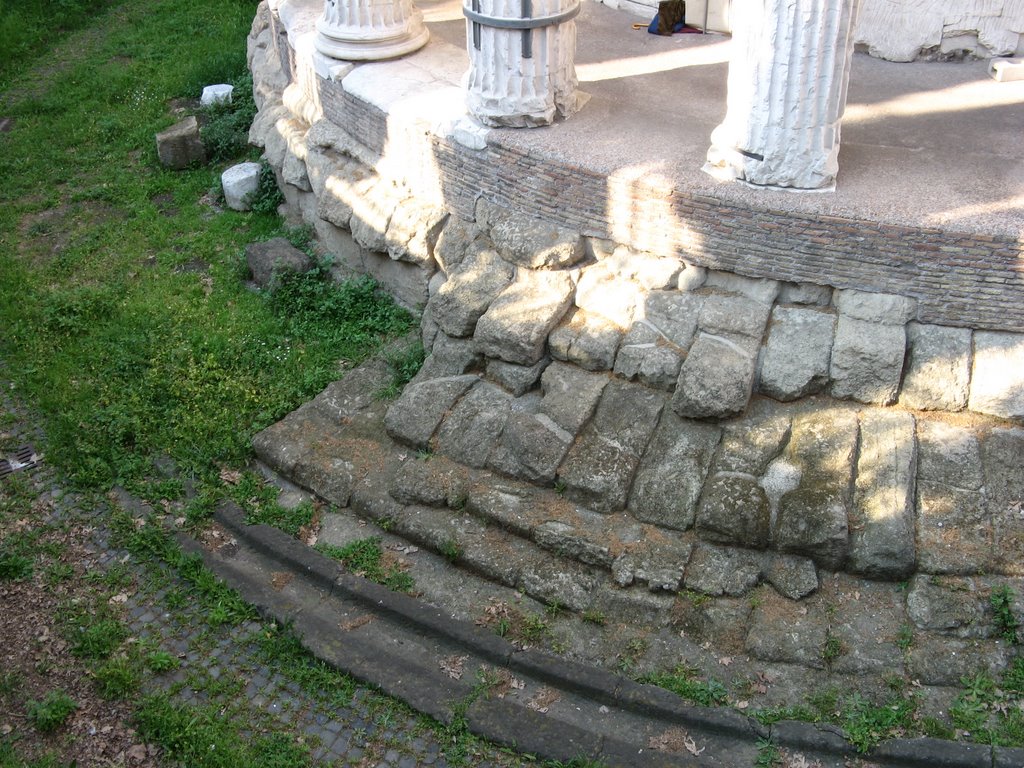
pixel 450 550
pixel 1001 600
pixel 52 712
pixel 685 683
pixel 404 363
pixel 768 754
pixel 867 724
pixel 595 617
pixel 366 558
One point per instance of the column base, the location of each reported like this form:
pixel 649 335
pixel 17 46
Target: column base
pixel 359 47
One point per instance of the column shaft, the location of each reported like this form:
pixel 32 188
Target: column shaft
pixel 361 30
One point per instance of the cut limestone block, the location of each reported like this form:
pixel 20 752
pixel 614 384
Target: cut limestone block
pixel 216 94
pixel 997 384
pixel 240 183
pixel 867 360
pixel 180 146
pixel 938 368
pixel 796 357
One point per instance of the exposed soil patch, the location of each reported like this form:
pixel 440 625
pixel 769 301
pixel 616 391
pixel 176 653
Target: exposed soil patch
pixel 46 234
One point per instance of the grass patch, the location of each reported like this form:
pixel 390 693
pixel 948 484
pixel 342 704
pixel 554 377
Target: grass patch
pixel 1001 600
pixel 366 558
pixel 685 683
pixel 52 712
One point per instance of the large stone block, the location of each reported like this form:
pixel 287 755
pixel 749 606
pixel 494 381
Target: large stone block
pixel 240 184
pixel 734 510
pixel 413 418
pixel 448 357
pixel 570 395
pixel 867 360
pixel 604 291
pixel 674 315
pixel 672 473
pixel 413 231
pixel 882 532
pixel 796 357
pixel 270 259
pixel 179 146
pixel 532 242
pixel 531 447
pixel 954 530
pixel 717 377
pixel 598 470
pixel 517 379
pixel 645 355
pixel 469 291
pixel 1003 449
pixel 997 381
pixel 457 239
pixel 372 208
pixel 723 570
pixel 516 325
pixel 729 314
pixel 938 368
pixel 883 308
pixel 471 430
pixel 949 454
pixel 793 577
pixel 953 606
pixel 407 283
pixel 749 445
pixel 760 290
pixel 587 339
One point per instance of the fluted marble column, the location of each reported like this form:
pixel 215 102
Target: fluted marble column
pixel 362 30
pixel 521 61
pixel 788 78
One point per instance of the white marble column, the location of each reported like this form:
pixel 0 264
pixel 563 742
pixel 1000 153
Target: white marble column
pixel 788 77
pixel 521 61
pixel 362 30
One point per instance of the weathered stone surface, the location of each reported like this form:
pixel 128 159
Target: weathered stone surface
pixel 570 395
pixel 600 466
pixel 949 454
pixel 646 356
pixel 883 308
pixel 603 291
pixel 530 447
pixel 750 445
pixel 405 282
pixel 587 339
pixel 945 660
pixel 728 314
pixel 723 570
pixel 455 241
pixel 1003 449
pixel 555 580
pixel 717 377
pixel 413 418
pixel 782 630
pixel 517 379
pixel 330 476
pixel 569 542
pixel 449 357
pixel 293 172
pixel 270 259
pixel 757 289
pixel 469 291
pixel 793 577
pixel 882 532
pixel 813 519
pixel 432 483
pixel 346 254
pixel 808 294
pixel 532 242
pixel 734 510
pixel 413 231
pixel 336 182
pixel 660 568
pixel 867 359
pixel 630 606
pixel 516 325
pixel 179 146
pixel 372 208
pixel 938 368
pixel 511 505
pixel 796 357
pixel 997 381
pixel 674 315
pixel 949 605
pixel 472 428
pixel 671 475
pixel 954 530
pixel 692 277
pixel 866 622
pixel 655 272
pixel 240 183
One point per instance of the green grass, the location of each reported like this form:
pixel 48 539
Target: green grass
pixel 1001 600
pixel 52 712
pixel 685 683
pixel 365 557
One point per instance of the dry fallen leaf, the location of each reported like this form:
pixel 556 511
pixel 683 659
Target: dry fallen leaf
pixel 725 661
pixel 356 623
pixel 454 666
pixel 281 579
pixel 231 476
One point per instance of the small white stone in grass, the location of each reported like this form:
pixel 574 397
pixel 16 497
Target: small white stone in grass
pixel 216 94
pixel 240 183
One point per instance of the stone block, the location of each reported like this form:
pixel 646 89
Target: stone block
pixel 938 368
pixel 949 454
pixel 646 356
pixel 216 94
pixel 471 430
pixel 269 260
pixel 531 447
pixel 456 239
pixel 755 288
pixel 345 254
pixel 413 231
pixel 469 291
pixel 1003 451
pixel 293 171
pixel 882 522
pixel 517 379
pixel 570 395
pixel 531 242
pixel 674 315
pixel 717 377
pixel 782 630
pixel 1006 70
pixel 553 580
pixel 866 623
pixel 405 282
pixel 692 277
pixel 949 605
pixel 240 183
pixel 807 294
pixel 793 577
pixel 515 327
pixel 602 290
pixel 883 308
pixel 179 146
pixel 867 360
pixel 669 482
pixel 749 445
pixel 723 570
pixel 728 314
pixel 796 356
pixel 937 660
pixel 569 542
pixel 734 510
pixel 997 380
pixel 431 483
pixel 598 470
pixel 954 530
pixel 372 207
pixel 448 357
pixel 660 568
pixel 413 418
pixel 589 340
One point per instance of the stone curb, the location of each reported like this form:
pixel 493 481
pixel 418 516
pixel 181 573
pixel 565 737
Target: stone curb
pixel 372 657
